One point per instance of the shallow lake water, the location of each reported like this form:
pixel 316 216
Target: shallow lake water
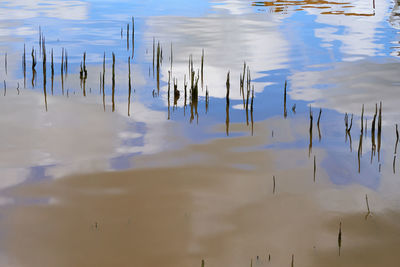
pixel 203 133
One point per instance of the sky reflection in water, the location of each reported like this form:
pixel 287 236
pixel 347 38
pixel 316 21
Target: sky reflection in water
pixel 334 55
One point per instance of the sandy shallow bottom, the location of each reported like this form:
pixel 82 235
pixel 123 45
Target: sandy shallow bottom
pixel 214 201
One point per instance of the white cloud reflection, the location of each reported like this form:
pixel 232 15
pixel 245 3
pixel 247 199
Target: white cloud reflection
pixel 28 9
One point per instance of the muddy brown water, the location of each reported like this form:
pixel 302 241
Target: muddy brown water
pixel 120 144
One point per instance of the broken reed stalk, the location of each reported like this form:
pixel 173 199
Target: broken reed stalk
pixel 62 61
pixel 129 84
pixel 251 111
pixel 24 66
pixel 373 145
pixel 202 263
pixel 207 99
pixel 379 129
pixel 362 119
pixel 127 36
pixel 158 67
pixel 169 88
pixel 83 74
pixel 227 87
pixel 177 94
pixel 44 72
pixel 5 62
pixel 153 54
pixel 33 67
pixel 133 37
pixel 319 130
pixel 40 38
pixel 397 139
pixel 310 131
pixel 340 237
pixel 62 70
pixel 315 167
pixel 247 106
pixel 227 104
pixel 52 72
pixel 359 154
pixel 185 99
pixel 284 101
pixel 113 82
pixel 104 71
pixel 66 63
pixel 171 58
pixel 5 88
pixel 368 210
pixel 292 265
pixel 274 184
pixel 202 67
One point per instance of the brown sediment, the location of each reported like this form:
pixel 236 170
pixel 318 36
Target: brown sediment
pixel 113 82
pixel 198 208
pixel 129 85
